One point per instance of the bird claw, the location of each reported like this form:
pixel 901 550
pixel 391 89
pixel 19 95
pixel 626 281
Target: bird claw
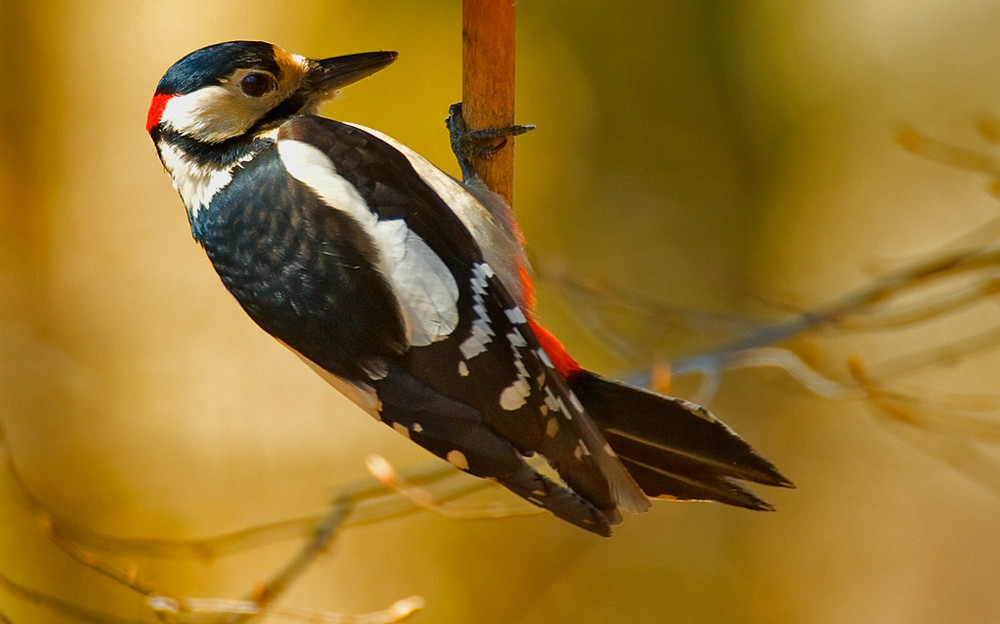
pixel 468 144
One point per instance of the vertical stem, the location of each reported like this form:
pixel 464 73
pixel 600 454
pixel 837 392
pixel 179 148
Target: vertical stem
pixel 488 83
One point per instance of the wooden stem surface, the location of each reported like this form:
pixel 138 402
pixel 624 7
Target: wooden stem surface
pixel 488 84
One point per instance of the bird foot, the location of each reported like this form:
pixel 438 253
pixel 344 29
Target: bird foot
pixel 468 144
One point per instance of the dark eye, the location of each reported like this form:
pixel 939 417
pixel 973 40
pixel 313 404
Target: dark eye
pixel 256 84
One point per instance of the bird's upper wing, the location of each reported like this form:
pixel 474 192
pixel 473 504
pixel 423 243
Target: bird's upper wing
pixel 302 271
pixel 470 341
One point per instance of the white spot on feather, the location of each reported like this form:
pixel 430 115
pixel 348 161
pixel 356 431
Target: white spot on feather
pixel 550 399
pixel 544 357
pixel 481 333
pixel 515 395
pixel 516 316
pixel 457 459
pixel 424 287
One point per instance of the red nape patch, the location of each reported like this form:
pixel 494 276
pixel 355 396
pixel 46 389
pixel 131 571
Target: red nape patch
pixel 563 361
pixel 156 109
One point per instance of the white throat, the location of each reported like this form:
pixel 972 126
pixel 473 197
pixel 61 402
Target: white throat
pixel 198 182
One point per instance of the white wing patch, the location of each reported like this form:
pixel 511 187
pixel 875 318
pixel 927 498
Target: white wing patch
pixel 424 287
pixel 496 240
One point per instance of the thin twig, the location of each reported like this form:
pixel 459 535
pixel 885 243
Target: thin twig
pixel 381 503
pixel 62 607
pixel 421 497
pixel 848 309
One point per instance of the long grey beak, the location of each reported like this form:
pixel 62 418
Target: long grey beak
pixel 339 71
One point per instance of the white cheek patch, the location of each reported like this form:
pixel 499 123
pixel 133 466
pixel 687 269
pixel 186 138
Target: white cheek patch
pixel 212 114
pixel 421 282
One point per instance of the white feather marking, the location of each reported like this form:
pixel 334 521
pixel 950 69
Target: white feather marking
pixel 493 233
pixel 516 316
pixel 517 340
pixel 212 114
pixel 309 165
pixel 516 394
pixel 550 399
pixel 424 284
pixel 196 182
pixel 544 357
pixel 457 459
pixel 481 332
pixel 424 287
pixel 562 408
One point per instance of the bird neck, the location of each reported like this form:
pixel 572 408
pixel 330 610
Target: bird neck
pixel 200 169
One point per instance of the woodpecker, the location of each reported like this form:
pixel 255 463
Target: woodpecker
pixel 409 291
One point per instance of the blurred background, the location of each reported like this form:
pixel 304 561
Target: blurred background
pixel 707 155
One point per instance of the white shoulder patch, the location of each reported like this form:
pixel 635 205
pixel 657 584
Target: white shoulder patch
pixel 424 287
pixel 496 240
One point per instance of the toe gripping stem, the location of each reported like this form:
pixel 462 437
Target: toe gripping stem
pixel 469 144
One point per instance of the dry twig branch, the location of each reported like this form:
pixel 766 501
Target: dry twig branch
pixel 426 499
pixel 957 280
pixel 362 503
pixel 945 284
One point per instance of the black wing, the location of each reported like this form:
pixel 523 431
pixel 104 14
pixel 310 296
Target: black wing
pixel 301 270
pixel 491 362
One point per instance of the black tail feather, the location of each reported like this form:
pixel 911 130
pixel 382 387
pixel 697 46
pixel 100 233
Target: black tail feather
pixel 455 432
pixel 674 448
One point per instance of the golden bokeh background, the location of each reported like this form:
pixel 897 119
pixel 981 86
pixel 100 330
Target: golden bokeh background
pixel 678 143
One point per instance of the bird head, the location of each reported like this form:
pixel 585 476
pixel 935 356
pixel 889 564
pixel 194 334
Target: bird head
pixel 243 88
